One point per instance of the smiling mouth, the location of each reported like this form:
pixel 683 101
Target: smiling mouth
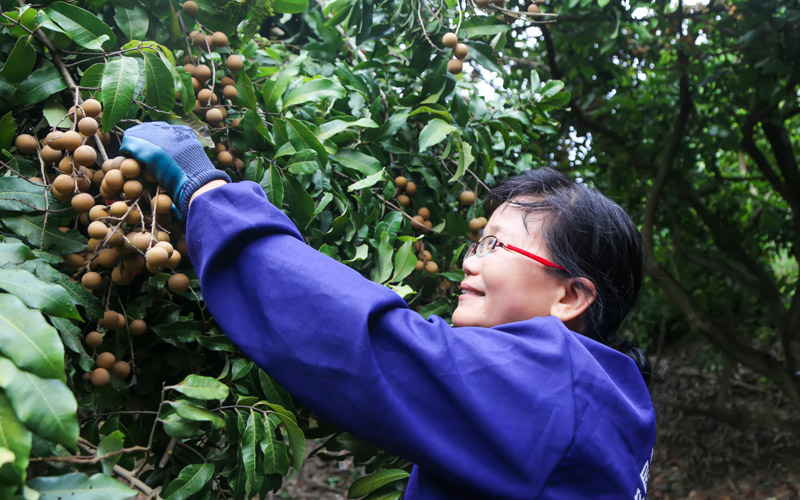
pixel 466 292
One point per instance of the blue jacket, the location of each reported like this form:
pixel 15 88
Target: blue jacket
pixel 527 410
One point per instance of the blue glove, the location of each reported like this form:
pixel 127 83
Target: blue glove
pixel 175 157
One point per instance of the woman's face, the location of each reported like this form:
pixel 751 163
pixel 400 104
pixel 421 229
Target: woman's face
pixel 505 286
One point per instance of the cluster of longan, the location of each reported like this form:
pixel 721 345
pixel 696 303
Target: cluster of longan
pixel 424 259
pixel 533 8
pixel 460 52
pixel 106 363
pixel 421 222
pixel 405 189
pixel 208 91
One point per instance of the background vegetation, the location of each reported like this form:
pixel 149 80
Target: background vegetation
pixel 685 114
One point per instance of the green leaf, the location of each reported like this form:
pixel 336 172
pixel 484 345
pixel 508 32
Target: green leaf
pixel 333 127
pixel 185 89
pixel 366 485
pixel 190 480
pixel 357 161
pixel 48 297
pixel 32 228
pixel 248 448
pixel 15 437
pixel 179 332
pixel 312 91
pixel 40 85
pixel 199 387
pixel 297 441
pixel 273 392
pixel 111 443
pixel 255 132
pixel 132 22
pixel 289 6
pixel 272 184
pixel 385 494
pixel 429 110
pixel 247 93
pixel 276 457
pixel 465 159
pixel 433 133
pixel 159 89
pixel 20 61
pixel 196 413
pixel 93 77
pixel 72 338
pixel 273 89
pixel 303 163
pixel 385 252
pixel 14 252
pixel 118 84
pixel 80 486
pixel 551 88
pixel 8 129
pixel 303 138
pixel 366 182
pixel 28 341
pixel 19 195
pixel 478 26
pixel 82 26
pixel 45 405
pixel 404 261
pixel 484 55
pixel 80 295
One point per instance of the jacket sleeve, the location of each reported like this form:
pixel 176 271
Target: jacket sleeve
pixel 477 406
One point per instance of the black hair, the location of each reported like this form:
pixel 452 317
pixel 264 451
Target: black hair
pixel 593 238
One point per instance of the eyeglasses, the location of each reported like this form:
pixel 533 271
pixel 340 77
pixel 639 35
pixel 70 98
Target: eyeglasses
pixel 487 244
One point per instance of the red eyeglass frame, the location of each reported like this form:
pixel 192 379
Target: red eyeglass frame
pixel 472 249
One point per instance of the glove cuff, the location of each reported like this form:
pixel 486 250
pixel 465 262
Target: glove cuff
pixel 196 182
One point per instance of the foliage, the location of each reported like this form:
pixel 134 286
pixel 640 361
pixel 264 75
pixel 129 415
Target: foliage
pixel 329 108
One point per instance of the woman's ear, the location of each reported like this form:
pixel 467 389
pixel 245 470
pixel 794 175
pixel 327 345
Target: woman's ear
pixel 576 297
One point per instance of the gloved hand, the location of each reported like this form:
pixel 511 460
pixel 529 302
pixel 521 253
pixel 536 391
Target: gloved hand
pixel 175 157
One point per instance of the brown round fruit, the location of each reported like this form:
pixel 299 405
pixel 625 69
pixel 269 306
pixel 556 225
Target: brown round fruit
pixel 130 168
pixel 178 283
pixel 118 209
pixel 162 204
pixel 121 369
pixel 74 261
pixel 425 255
pixel 400 181
pixel 219 39
pixel 121 276
pixel 50 155
pixel 230 92
pixel 235 62
pixel 156 257
pixel 92 107
pixel 115 239
pixel 214 116
pixel 110 320
pixel 411 188
pixel 424 212
pixel 137 327
pixel 105 360
pixel 225 158
pixel 226 80
pixel 132 189
pixel 417 222
pixel 97 230
pixel 87 126
pixel 483 3
pixel 454 66
pixel 449 40
pixel 404 200
pixel 108 258
pixel 534 9
pixel 85 156
pixel 141 241
pixel 94 339
pixel 100 377
pixel 467 197
pixel 64 183
pixel 431 267
pixel 461 51
pixel 202 73
pixel 26 143
pixel 72 140
pixel 476 224
pixel 82 202
pixel 419 266
pixel 174 260
pixel 190 8
pixel 114 179
pixel 97 212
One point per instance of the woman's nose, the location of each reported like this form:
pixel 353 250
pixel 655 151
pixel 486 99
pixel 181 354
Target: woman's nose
pixel 471 264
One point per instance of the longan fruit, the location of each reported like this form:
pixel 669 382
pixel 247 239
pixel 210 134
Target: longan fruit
pixel 92 107
pixel 121 369
pixel 100 377
pixel 467 197
pixel 118 209
pixel 225 158
pixel 419 266
pixel 424 212
pixel 219 39
pixel 74 261
pixel 137 327
pixel 200 41
pixel 82 202
pixel 230 92
pixel 174 260
pixel 66 165
pixel 418 246
pixel 91 280
pixel 226 80
pixel 411 188
pixel 114 239
pixel 94 339
pixel 50 155
pixel 91 246
pixel 426 255
pixel 499 3
pixel 64 184
pixel 234 62
pixel 417 222
pixel 88 126
pixel 454 66
pixel 97 230
pixel 85 156
pixel 72 140
pixel 105 360
pixel 449 40
pixel 110 320
pixel 162 204
pixel 166 245
pixel 431 267
pixel 461 51
pixel 476 224
pixel 178 283
pixel 189 67
pixel 195 84
pixel 203 73
pixel 204 96
pixel 134 216
pixel 53 139
pixel 400 182
pixel 26 143
pixel 156 257
pixel 161 236
pixel 114 179
pixel 132 189
pixel 190 8
pixel 133 262
pixel 214 117
pixel 141 241
pixel 108 257
pixel 534 9
pixel 130 168
pixel 404 200
pixel 121 276
pixel 428 225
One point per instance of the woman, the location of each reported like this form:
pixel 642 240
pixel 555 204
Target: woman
pixel 522 399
